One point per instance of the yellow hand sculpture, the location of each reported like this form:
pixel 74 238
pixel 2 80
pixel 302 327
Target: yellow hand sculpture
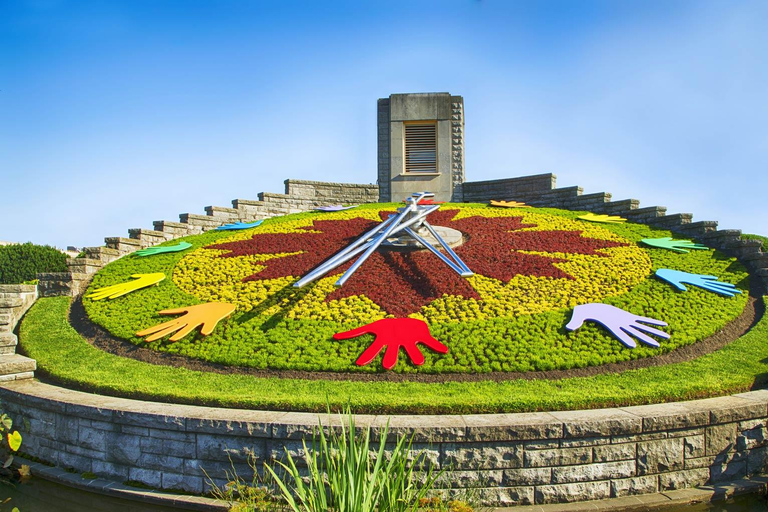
pixel 607 219
pixel 508 204
pixel 118 290
pixel 207 315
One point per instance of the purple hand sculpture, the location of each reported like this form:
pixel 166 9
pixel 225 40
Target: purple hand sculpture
pixel 334 208
pixel 620 323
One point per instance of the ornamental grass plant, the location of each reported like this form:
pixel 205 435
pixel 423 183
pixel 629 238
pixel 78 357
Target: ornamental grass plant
pixel 346 475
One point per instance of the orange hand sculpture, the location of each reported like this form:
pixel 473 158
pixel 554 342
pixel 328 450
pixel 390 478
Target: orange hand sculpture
pixel 394 333
pixel 508 204
pixel 120 289
pixel 206 315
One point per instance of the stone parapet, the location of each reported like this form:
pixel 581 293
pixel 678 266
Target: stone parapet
pixel 511 459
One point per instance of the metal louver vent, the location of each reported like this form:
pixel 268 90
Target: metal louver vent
pixel 420 147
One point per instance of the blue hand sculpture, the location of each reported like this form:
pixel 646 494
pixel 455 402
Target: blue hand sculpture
pixel 622 324
pixel 710 283
pixel 673 245
pixel 238 225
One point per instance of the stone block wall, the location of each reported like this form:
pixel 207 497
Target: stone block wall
pixel 510 459
pixel 299 196
pixel 15 300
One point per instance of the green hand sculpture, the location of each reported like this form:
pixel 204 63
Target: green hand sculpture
pixel 151 251
pixel 120 289
pixel 672 245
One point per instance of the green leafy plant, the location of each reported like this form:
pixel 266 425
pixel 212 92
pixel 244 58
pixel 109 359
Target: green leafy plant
pixel 22 262
pixel 344 477
pixel 10 443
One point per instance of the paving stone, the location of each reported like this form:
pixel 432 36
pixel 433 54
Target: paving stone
pixel 660 456
pixel 599 422
pixel 614 452
pixel 593 472
pixel 499 455
pixel 693 446
pixel 633 486
pixel 527 476
pixel 558 457
pixel 512 427
pixel 683 479
pixel 563 493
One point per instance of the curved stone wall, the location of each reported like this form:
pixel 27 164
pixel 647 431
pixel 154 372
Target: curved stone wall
pixel 511 458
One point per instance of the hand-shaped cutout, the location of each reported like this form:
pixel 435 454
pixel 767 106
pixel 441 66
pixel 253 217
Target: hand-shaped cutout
pixel 620 323
pixel 150 251
pixel 206 315
pixel 238 225
pixel 672 245
pixel 118 290
pixel 394 333
pixel 605 219
pixel 508 204
pixel 710 283
pixel 334 208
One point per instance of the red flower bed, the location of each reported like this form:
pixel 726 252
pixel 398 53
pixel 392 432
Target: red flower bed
pixel 403 282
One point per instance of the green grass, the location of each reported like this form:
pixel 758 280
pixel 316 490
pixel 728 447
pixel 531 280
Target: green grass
pixel 65 356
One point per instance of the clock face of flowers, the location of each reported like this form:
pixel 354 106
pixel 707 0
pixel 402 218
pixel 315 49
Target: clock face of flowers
pixel 531 267
pixel 524 262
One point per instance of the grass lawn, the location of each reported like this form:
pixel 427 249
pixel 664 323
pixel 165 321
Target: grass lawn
pixel 64 356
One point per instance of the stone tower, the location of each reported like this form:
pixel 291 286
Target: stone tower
pixel 421 146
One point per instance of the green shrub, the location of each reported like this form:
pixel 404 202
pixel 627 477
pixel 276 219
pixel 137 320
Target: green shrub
pixel 22 262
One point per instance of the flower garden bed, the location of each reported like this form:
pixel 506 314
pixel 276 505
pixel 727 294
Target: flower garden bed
pixel 532 266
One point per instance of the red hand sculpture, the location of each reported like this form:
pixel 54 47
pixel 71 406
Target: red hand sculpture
pixel 394 333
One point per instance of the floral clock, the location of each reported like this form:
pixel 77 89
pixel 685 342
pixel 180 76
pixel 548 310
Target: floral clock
pixel 533 268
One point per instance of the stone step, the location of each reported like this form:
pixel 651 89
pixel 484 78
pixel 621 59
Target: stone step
pixel 747 257
pixel 84 265
pixel 11 302
pixel 148 237
pixel 8 339
pixel 102 253
pixel 619 207
pixel 5 318
pixel 124 245
pixel 176 229
pixel 744 243
pixel 646 214
pixel 760 262
pixel 204 221
pixel 229 214
pixel 697 228
pixel 599 197
pixel 14 364
pixel 671 220
pixel 18 288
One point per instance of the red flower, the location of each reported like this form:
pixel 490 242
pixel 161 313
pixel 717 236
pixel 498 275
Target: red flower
pixel 403 282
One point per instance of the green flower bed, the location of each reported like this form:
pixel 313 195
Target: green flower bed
pixel 512 324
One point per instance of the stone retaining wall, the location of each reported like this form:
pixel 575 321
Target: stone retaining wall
pixel 536 190
pixel 300 196
pixel 510 458
pixel 15 300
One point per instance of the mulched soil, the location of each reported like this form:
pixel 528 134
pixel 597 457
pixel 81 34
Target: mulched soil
pixel 103 340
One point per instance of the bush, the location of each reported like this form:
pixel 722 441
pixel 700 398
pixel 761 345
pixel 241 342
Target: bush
pixel 22 262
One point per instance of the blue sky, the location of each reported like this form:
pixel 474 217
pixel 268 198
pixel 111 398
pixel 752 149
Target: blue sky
pixel 117 113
